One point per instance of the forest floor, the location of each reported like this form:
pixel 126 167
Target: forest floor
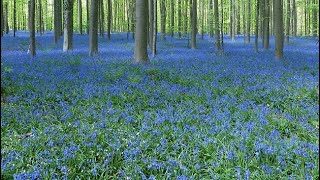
pixel 190 114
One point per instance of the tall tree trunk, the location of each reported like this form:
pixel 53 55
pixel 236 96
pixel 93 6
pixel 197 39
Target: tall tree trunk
pixel 109 20
pixel 256 38
pixel 93 29
pixel 151 19
pixel 172 18
pixel 80 16
pixel 163 20
pixel 216 21
pixel 210 18
pixel 88 23
pixel 40 17
pixel 179 19
pixel 57 16
pixel 68 25
pixel 238 18
pixel 278 14
pixel 133 18
pixel 202 19
pixel 248 22
pixel 31 5
pixel 14 17
pixel 101 17
pixel 288 22
pixel 2 19
pixel 6 24
pixel 194 25
pixel 314 18
pixel 232 22
pixel 294 13
pixel 140 50
pixel 266 25
pixel 186 17
pixel 222 26
pixel 155 29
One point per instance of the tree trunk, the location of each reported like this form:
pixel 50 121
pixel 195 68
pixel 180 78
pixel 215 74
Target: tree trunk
pixel 179 19
pixel 248 22
pixel 163 20
pixel 6 24
pixel 109 20
pixel 314 18
pixel 222 26
pixel 155 29
pixel 1 19
pixel 288 22
pixel 216 20
pixel 256 38
pixel 88 23
pixel 210 19
pixel 93 29
pixel 266 25
pixel 194 25
pixel 238 18
pixel 232 22
pixel 278 15
pixel 140 50
pixel 32 49
pixel 101 17
pixel 80 16
pixel 68 25
pixel 202 19
pixel 40 17
pixel 151 19
pixel 57 16
pixel 172 18
pixel 294 12
pixel 14 17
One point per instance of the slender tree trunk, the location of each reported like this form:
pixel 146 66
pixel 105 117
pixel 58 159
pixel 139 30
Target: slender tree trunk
pixel 151 19
pixel 101 17
pixel 172 18
pixel 233 17
pixel 140 50
pixel 266 25
pixel 31 5
pixel 216 20
pixel 109 19
pixel 68 25
pixel 57 16
pixel 194 25
pixel 211 18
pixel 80 16
pixel 155 29
pixel 163 20
pixel 238 18
pixel 14 17
pixel 186 17
pixel 133 18
pixel 88 23
pixel 314 18
pixel 40 17
pixel 2 19
pixel 257 26
pixel 278 14
pixel 202 19
pixel 222 26
pixel 179 19
pixel 288 22
pixel 6 24
pixel 93 29
pixel 248 22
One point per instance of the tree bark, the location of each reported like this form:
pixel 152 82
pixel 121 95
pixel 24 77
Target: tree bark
pixel 14 17
pixel 248 26
pixel 151 19
pixel 288 22
pixel 202 19
pixel 266 25
pixel 101 17
pixel 109 20
pixel 93 29
pixel 194 25
pixel 32 49
pixel 88 23
pixel 68 25
pixel 141 43
pixel 172 18
pixel 80 16
pixel 179 19
pixel 278 15
pixel 57 16
pixel 294 12
pixel 232 22
pixel 256 38
pixel 155 29
pixel 2 19
pixel 40 17
pixel 163 20
pixel 216 20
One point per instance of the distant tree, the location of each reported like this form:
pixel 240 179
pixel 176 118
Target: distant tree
pixel 266 24
pixel 179 19
pixel 232 20
pixel 109 20
pixel 14 17
pixel 202 19
pixel 6 24
pixel 155 29
pixel 248 26
pixel 80 16
pixel 68 25
pixel 1 19
pixel 93 29
pixel 87 7
pixel 31 7
pixel 172 18
pixel 163 19
pixel 294 12
pixel 278 25
pixel 194 25
pixel 141 40
pixel 257 26
pixel 216 20
pixel 40 16
pixel 315 9
pixel 151 19
pixel 288 22
pixel 101 18
pixel 57 20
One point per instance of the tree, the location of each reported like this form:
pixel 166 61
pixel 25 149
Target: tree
pixel 31 5
pixel 288 22
pixel 87 7
pixel 266 25
pixel 155 29
pixel 257 26
pixel 109 20
pixel 151 19
pixel 1 19
pixel 68 25
pixel 248 22
pixel 163 20
pixel 294 12
pixel 172 18
pixel 80 16
pixel 232 20
pixel 57 20
pixel 278 25
pixel 141 40
pixel 194 25
pixel 93 29
pixel 179 19
pixel 216 20
pixel 14 17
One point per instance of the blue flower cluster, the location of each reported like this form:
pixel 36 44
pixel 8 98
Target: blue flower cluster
pixel 189 114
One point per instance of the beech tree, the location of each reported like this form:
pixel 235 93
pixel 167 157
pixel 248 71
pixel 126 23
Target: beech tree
pixel 93 29
pixel 31 9
pixel 216 20
pixel 194 25
pixel 278 25
pixel 68 25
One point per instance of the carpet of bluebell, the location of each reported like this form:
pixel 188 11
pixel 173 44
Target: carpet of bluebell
pixel 189 114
